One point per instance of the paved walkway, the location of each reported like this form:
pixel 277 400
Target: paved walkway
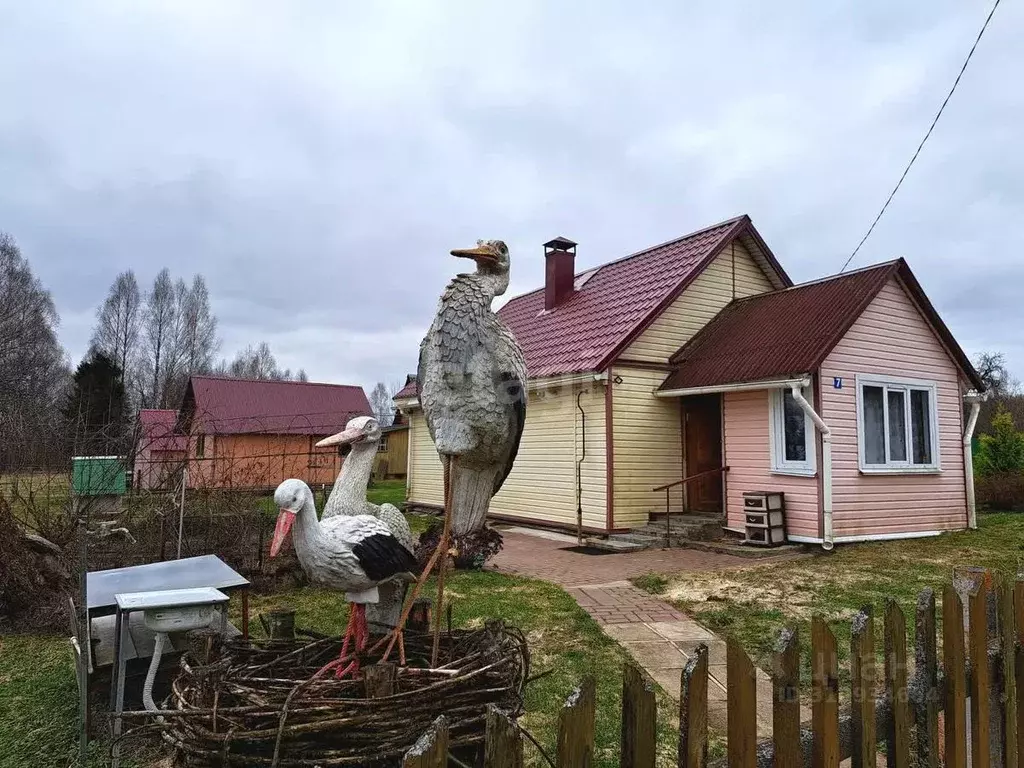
pixel 660 638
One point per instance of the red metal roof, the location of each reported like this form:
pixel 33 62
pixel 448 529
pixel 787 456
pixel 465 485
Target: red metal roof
pixel 217 405
pixel 789 333
pixel 157 430
pixel 615 302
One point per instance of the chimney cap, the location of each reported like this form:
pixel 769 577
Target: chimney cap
pixel 560 244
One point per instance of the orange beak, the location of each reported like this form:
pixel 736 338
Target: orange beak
pixel 285 520
pixel 478 254
pixel 346 437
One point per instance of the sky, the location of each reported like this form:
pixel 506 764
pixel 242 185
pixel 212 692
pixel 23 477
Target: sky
pixel 316 161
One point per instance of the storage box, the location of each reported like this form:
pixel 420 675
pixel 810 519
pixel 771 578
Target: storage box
pixel 764 515
pixel 98 476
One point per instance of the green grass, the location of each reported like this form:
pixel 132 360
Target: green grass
pixel 38 693
pixel 753 604
pixel 386 492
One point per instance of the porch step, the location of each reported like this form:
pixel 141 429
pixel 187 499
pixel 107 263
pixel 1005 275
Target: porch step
pixel 734 547
pixel 688 527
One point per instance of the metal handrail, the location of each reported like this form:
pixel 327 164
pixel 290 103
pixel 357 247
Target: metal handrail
pixel 668 490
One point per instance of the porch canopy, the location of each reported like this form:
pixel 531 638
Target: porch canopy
pixel 778 339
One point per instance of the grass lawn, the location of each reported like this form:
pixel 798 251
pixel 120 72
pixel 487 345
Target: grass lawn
pixel 38 694
pixel 754 604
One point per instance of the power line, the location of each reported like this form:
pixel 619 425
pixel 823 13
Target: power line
pixel 925 139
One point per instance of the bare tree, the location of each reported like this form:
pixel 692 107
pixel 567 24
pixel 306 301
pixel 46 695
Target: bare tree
pixel 33 372
pixel 161 313
pixel 301 375
pixel 199 329
pixel 255 363
pixel 118 323
pixel 381 405
pixel 991 367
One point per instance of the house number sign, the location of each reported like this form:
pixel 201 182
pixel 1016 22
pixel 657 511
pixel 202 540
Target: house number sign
pixel 837 382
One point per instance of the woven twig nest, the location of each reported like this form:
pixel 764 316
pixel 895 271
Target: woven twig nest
pixel 258 706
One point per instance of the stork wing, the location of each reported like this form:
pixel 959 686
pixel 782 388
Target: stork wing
pixel 514 383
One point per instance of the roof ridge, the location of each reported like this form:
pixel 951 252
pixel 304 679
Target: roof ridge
pixel 817 281
pixel 215 377
pixel 726 223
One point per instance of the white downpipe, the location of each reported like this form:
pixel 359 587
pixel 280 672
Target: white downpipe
pixel 743 386
pixel 975 399
pixel 828 540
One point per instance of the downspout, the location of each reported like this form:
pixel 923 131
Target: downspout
pixel 828 539
pixel 975 399
pixel 579 472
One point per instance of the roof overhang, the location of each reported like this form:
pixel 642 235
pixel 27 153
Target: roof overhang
pixel 739 386
pixel 534 385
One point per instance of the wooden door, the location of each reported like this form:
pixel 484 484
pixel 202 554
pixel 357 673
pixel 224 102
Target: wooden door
pixel 702 445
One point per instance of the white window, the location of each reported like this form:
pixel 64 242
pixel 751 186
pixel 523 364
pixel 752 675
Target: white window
pixel 897 425
pixel 382 444
pixel 792 434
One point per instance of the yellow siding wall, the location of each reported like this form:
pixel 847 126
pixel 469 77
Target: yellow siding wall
pixel 542 484
pixel 733 274
pixel 647 445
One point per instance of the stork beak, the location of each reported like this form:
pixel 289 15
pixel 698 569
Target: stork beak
pixel 347 436
pixel 285 520
pixel 480 253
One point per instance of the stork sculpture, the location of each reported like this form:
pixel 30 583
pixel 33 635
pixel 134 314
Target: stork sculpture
pixel 472 388
pixel 358 443
pixel 352 553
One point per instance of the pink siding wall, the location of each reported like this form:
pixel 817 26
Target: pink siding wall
pixel 892 338
pixel 748 456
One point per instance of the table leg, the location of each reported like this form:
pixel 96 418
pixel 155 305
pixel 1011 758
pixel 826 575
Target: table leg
pixel 120 665
pixel 245 614
pixel 117 656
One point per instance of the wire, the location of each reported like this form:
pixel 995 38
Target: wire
pixel 925 139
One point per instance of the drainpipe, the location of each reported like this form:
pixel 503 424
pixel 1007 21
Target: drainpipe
pixel 579 473
pixel 975 399
pixel 828 540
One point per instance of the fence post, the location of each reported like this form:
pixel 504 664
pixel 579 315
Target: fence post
pixel 503 746
pixel 1008 643
pixel 639 719
pixel 898 737
pixel 431 749
pixel 824 695
pixel 955 667
pixel 741 692
pixel 786 701
pixel 978 641
pixel 862 685
pixel 693 711
pixel 926 682
pixel 576 727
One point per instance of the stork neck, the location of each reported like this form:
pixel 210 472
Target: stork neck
pixel 307 527
pixel 490 284
pixel 355 474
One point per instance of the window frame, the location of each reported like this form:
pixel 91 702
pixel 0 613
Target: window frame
pixel 905 385
pixel 201 446
pixel 382 444
pixel 777 437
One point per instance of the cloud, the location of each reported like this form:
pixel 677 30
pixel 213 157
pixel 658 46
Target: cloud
pixel 316 161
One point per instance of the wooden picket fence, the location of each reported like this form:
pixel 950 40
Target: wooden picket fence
pixel 942 714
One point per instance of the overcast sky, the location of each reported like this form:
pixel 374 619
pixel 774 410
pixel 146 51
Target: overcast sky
pixel 317 160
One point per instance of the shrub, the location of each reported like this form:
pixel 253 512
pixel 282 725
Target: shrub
pixel 474 549
pixel 1001 491
pixel 1002 452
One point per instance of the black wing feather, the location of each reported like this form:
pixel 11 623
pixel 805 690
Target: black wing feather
pixel 381 556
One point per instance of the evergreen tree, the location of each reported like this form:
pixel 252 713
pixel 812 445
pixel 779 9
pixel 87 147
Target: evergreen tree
pixel 95 410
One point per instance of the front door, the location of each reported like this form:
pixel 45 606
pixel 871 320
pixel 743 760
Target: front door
pixel 702 442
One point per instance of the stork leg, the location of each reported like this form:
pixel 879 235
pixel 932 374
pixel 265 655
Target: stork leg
pixel 345 663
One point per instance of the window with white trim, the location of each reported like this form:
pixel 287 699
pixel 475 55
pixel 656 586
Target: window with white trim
pixel 791 434
pixel 897 425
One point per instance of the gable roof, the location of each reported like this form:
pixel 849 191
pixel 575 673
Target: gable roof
pixel 217 405
pixel 157 430
pixel 789 333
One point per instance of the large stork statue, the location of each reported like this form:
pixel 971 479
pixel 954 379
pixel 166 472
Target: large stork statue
pixel 358 442
pixel 472 387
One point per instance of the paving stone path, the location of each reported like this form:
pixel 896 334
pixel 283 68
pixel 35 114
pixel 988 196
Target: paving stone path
pixel 660 638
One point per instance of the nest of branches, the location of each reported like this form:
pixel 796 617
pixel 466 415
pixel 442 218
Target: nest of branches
pixel 259 706
pixel 474 549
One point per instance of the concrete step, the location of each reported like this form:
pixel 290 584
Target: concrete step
pixel 736 547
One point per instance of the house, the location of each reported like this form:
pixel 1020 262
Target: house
pixel 693 360
pixel 160 452
pixel 392 451
pixel 256 433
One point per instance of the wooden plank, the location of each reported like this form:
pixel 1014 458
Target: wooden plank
pixel 954 665
pixel 1018 609
pixel 862 695
pixel 380 679
pixel 693 711
pixel 786 701
pixel 431 749
pixel 926 681
pixel 576 727
pixel 639 719
pixel 503 746
pixel 1008 643
pixel 978 650
pixel 898 736
pixel 824 695
pixel 741 693
pixel 1018 668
